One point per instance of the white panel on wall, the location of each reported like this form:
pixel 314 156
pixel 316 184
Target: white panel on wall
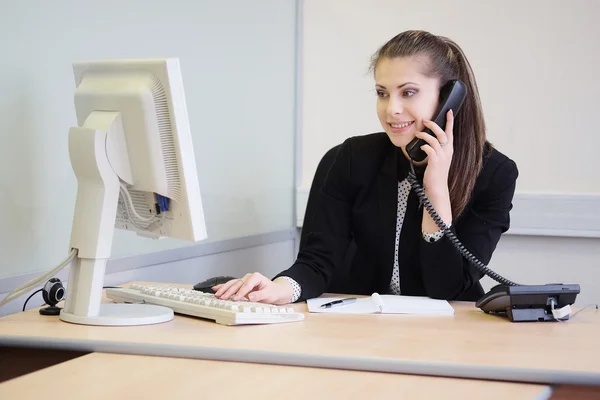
pixel 536 63
pixel 532 215
pixel 536 66
pixel 238 65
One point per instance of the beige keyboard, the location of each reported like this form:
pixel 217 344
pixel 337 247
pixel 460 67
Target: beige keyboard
pixel 204 305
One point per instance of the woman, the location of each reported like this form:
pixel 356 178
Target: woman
pixel 367 198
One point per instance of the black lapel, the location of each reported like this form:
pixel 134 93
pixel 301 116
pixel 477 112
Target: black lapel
pixel 387 189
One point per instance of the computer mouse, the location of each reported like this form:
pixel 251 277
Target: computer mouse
pixel 206 286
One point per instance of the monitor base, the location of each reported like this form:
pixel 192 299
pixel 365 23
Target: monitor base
pixel 122 315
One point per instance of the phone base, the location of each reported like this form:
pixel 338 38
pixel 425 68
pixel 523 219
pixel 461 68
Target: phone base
pixel 532 315
pixel 528 303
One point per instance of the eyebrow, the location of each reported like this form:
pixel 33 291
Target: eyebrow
pixel 399 87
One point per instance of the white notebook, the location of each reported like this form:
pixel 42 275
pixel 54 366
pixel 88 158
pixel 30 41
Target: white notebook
pixel 384 304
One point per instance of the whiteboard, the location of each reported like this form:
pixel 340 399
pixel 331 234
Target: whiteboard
pixel 238 64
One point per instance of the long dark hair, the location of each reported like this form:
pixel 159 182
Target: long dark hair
pixel 445 60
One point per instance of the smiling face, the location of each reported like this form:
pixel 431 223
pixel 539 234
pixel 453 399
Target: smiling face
pixel 405 97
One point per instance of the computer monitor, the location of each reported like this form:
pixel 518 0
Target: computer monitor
pixel 133 158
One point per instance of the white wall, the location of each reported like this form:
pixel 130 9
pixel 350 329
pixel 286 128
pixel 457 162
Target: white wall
pixel 238 65
pixel 537 68
pixel 536 63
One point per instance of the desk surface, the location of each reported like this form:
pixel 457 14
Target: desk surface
pixel 468 337
pixel 111 376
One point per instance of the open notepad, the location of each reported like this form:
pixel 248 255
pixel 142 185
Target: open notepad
pixel 384 304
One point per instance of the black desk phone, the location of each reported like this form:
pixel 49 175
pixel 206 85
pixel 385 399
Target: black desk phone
pixel 517 302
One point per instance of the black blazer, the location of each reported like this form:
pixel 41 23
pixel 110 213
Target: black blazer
pixel 358 201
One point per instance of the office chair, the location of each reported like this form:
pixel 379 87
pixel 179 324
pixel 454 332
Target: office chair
pixel 341 282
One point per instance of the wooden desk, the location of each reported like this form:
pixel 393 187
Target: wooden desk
pixel 110 376
pixel 470 338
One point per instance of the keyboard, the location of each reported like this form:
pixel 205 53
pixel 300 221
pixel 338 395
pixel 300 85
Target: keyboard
pixel 204 305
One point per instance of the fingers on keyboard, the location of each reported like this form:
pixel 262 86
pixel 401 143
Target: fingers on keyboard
pixel 224 287
pixel 246 288
pixel 256 281
pixel 233 292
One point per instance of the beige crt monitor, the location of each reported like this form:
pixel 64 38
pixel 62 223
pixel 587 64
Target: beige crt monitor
pixel 133 157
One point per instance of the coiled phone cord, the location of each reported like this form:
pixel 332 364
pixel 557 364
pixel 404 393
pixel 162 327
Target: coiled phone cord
pixel 412 179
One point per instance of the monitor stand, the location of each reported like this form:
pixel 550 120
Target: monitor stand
pixel 99 158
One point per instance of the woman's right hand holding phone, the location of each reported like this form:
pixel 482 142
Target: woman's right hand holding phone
pixel 256 288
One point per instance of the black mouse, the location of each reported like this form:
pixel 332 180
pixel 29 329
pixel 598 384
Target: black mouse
pixel 206 286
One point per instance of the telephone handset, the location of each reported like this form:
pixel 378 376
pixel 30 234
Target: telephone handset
pixel 452 96
pixel 518 302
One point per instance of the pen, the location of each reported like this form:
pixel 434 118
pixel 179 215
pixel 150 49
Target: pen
pixel 338 303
